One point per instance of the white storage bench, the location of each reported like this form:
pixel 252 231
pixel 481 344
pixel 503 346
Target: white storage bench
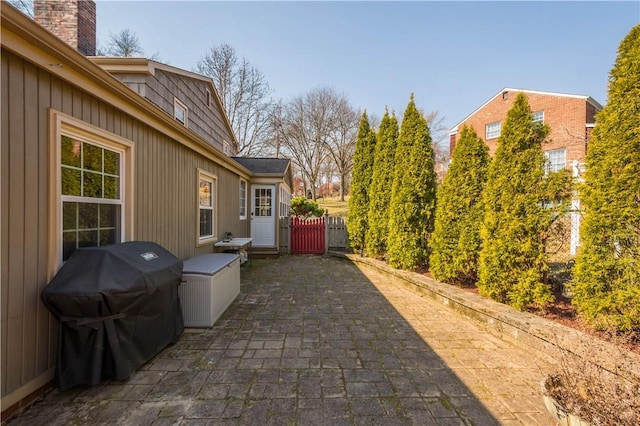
pixel 211 282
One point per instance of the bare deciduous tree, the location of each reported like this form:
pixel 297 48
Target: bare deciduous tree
pixel 342 142
pixel 244 92
pixel 125 43
pixel 439 133
pixel 307 129
pixel 24 6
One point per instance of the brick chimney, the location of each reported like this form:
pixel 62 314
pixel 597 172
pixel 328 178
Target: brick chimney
pixel 73 21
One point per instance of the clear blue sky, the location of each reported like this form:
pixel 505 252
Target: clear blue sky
pixel 453 56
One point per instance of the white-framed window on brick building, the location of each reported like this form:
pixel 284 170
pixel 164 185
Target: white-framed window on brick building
pixel 207 205
pixel 555 160
pixel 243 199
pixel 537 116
pixel 492 130
pixel 180 111
pixel 93 175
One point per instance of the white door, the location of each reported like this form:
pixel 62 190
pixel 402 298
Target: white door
pixel 263 215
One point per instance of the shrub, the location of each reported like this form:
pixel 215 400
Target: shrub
pixel 381 183
pixel 363 157
pixel 455 242
pixel 607 272
pixel 303 207
pixel 413 196
pixel 512 259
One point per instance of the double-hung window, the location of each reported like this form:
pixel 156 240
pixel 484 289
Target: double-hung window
pixel 555 160
pixel 206 207
pixel 91 174
pixel 91 195
pixel 537 116
pixel 243 199
pixel 180 111
pixel 492 130
pixel 285 202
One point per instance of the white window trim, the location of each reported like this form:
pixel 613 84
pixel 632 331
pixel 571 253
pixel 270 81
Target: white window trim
pixel 63 124
pixel 535 119
pixel 547 163
pixel 486 130
pixel 209 239
pixel 285 202
pixel 246 191
pixel 177 104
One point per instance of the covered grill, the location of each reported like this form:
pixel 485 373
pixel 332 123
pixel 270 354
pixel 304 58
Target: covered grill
pixel 118 306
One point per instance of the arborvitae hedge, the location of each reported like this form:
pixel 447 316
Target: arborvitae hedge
pixel 607 272
pixel 363 157
pixel 380 189
pixel 455 243
pixel 413 197
pixel 512 258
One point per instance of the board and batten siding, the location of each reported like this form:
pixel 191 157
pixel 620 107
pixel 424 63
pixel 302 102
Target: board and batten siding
pixel 165 200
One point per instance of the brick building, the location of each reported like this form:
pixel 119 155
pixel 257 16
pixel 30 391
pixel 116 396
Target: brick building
pixel 570 119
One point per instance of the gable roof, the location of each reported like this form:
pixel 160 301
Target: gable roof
pixel 26 38
pixel 589 99
pixel 130 65
pixel 265 166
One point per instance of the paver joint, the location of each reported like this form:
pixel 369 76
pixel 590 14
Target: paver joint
pixel 318 340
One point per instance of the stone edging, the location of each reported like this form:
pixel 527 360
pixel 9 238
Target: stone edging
pixel 521 328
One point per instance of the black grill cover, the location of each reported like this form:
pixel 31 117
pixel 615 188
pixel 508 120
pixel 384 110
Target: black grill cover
pixel 118 307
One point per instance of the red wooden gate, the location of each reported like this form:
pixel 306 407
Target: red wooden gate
pixel 307 235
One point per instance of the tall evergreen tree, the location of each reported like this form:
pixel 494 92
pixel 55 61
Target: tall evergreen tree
pixel 413 196
pixel 381 183
pixel 363 157
pixel 455 243
pixel 512 259
pixel 607 272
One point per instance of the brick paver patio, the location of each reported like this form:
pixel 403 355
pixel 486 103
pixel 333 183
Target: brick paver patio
pixel 318 341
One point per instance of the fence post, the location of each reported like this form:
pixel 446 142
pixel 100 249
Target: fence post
pixel 326 231
pixel 289 219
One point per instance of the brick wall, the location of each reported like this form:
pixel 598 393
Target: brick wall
pixel 566 116
pixel 73 21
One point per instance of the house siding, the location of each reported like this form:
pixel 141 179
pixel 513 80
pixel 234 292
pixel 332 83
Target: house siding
pixel 203 120
pixel 164 203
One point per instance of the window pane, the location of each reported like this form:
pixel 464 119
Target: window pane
pixel 206 223
pixel 492 130
pixel 111 187
pixel 107 236
pixel 69 215
pixel 111 162
pixel 71 151
pixel 87 215
pixel 206 193
pixel 88 238
pixel 109 215
pixel 91 157
pixel 69 244
pixel 92 185
pixel 538 116
pixel 70 181
pixel 243 198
